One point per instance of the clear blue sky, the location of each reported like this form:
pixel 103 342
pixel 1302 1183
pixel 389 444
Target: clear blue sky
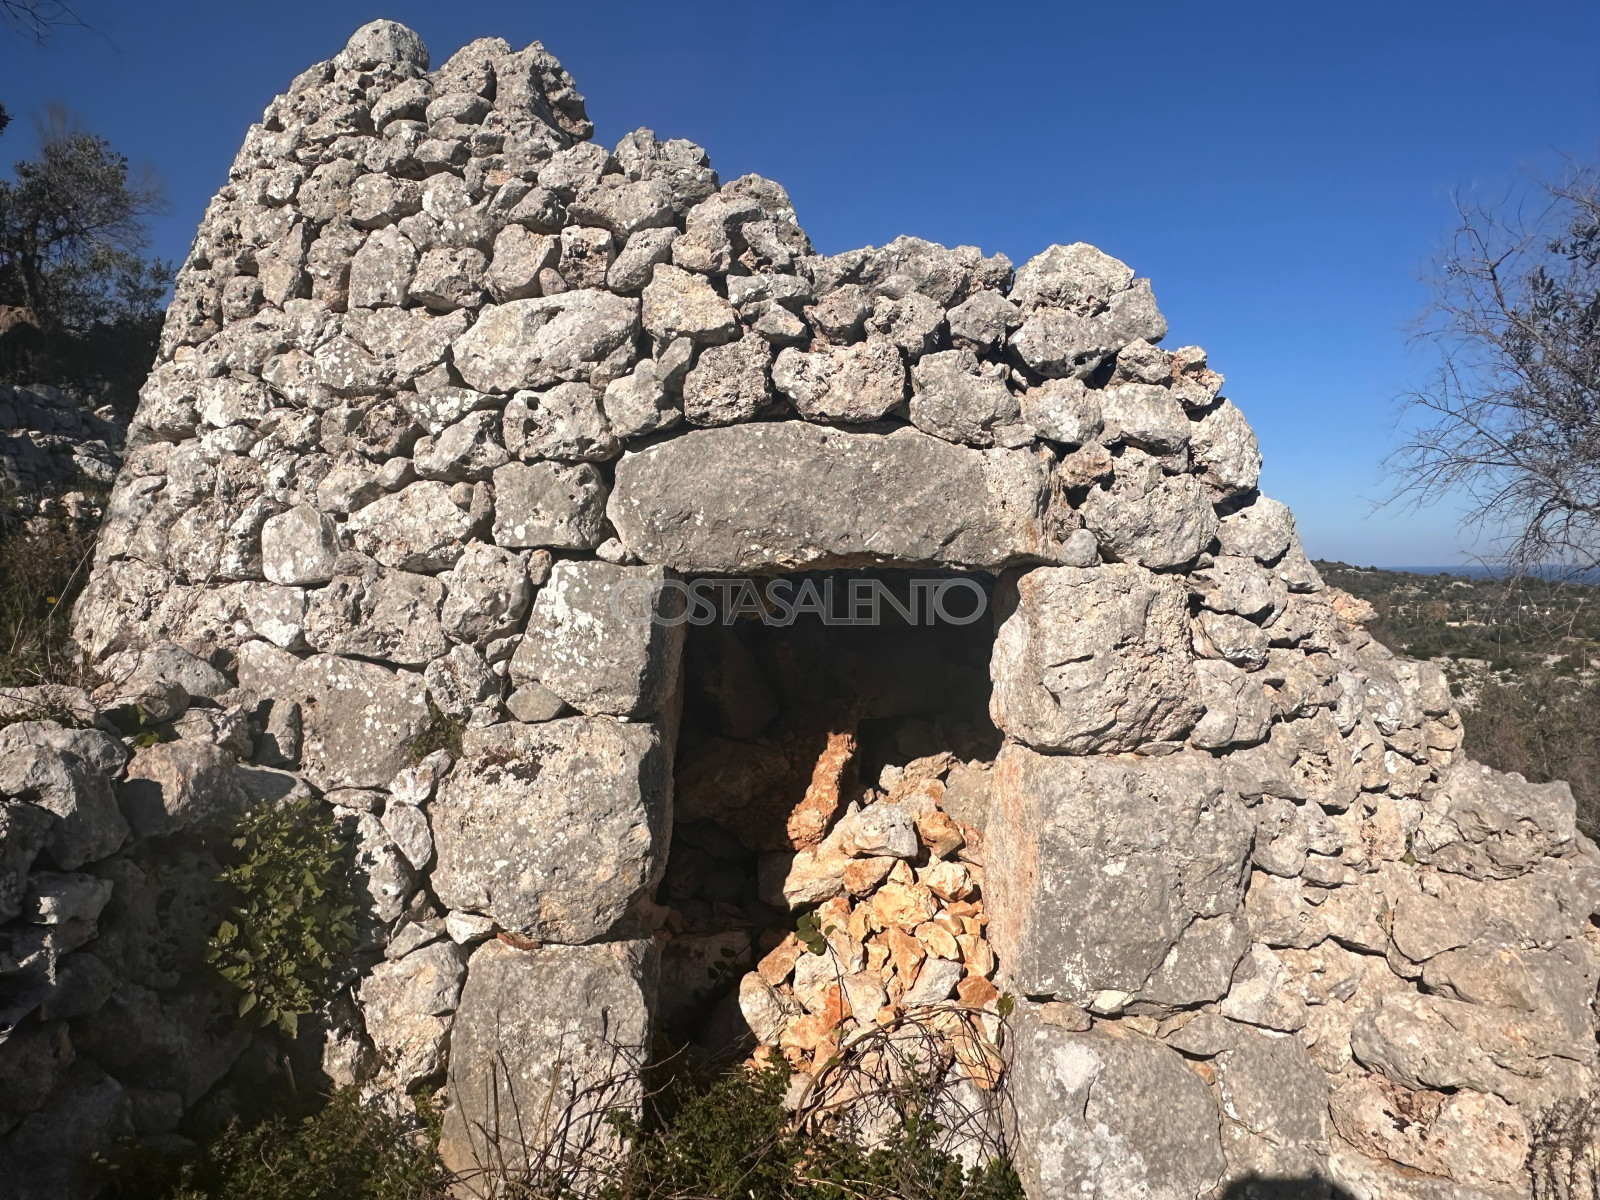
pixel 1282 172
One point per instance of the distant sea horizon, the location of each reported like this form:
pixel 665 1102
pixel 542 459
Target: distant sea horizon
pixel 1479 571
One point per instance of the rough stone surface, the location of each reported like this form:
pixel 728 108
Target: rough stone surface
pixel 1100 864
pixel 537 1028
pixel 553 829
pixel 1111 1116
pixel 1266 926
pixel 592 639
pixel 788 495
pixel 1093 659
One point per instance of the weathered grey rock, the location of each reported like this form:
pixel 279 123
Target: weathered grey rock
pixel 1076 276
pixel 460 681
pixel 533 702
pixel 450 278
pixel 729 383
pixel 381 882
pixel 1238 710
pixel 179 785
pixel 912 322
pixel 1097 865
pixel 1103 1116
pixel 983 320
pixel 1148 517
pixel 1488 825
pixel 553 829
pixel 678 303
pixel 794 495
pixel 23 830
pixel 380 42
pixel 1223 448
pixel 488 592
pixel 1261 530
pixel 1200 965
pixel 537 342
pixel 407 1007
pixel 1269 1084
pixel 1089 660
pixel 560 505
pixel 382 269
pixel 164 663
pixel 952 397
pixel 1144 415
pixel 49 1155
pixel 519 256
pixel 379 200
pixel 55 898
pixel 1063 410
pixel 595 639
pixel 68 773
pixel 464 452
pixel 623 205
pixel 1234 639
pixel 359 718
pixel 299 547
pixel 852 384
pixel 565 422
pixel 586 257
pixel 1262 994
pixel 31 1061
pixel 388 615
pixel 639 403
pixel 635 263
pixel 537 1030
pixel 419 528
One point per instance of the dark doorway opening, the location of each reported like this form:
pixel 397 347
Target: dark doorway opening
pixel 798 703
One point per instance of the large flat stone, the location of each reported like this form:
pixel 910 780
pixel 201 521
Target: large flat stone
pixel 1110 1117
pixel 790 494
pixel 359 718
pixel 1097 866
pixel 546 1043
pixel 554 829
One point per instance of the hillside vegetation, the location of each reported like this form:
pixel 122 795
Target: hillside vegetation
pixel 1523 658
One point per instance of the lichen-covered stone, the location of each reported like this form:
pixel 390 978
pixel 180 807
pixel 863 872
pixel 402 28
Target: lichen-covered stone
pixel 553 829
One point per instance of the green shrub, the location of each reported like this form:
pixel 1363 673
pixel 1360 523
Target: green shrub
pixel 347 1150
pixel 292 922
pixel 730 1138
pixel 42 569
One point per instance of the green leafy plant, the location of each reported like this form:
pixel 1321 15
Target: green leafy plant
pixel 133 721
pixel 443 733
pixel 346 1150
pixel 292 922
pixel 731 1138
pixel 811 933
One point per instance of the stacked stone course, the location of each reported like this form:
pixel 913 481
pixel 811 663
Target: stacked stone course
pixel 441 374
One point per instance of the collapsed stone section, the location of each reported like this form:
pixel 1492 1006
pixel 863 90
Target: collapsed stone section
pixel 441 375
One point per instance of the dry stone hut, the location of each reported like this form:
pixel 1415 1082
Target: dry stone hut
pixel 449 395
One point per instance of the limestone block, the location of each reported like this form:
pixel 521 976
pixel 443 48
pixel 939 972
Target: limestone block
pixel 592 640
pixel 793 495
pixel 544 1046
pixel 1097 866
pixel 1093 659
pixel 553 829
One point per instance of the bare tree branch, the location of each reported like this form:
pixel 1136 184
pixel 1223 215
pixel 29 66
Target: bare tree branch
pixel 38 19
pixel 1511 420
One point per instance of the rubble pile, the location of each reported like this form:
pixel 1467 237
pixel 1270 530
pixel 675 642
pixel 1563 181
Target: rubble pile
pixel 897 931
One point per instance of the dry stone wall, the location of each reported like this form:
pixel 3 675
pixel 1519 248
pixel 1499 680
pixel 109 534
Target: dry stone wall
pixel 441 374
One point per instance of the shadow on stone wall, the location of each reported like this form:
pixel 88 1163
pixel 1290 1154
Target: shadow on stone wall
pixel 1259 1188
